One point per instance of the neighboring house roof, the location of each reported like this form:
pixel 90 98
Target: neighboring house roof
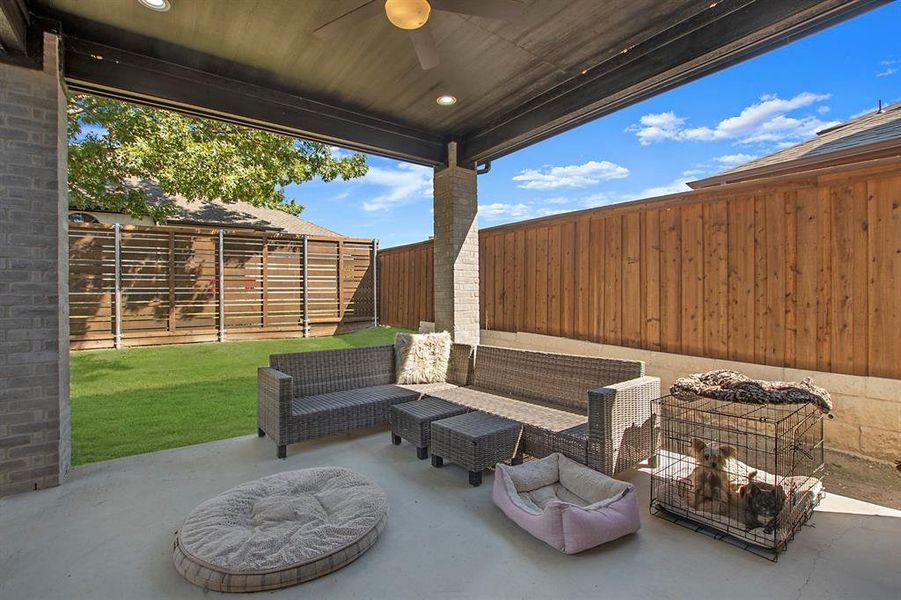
pixel 242 214
pixel 872 135
pixel 233 214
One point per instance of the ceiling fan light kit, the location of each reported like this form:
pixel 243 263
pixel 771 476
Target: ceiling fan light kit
pixel 408 14
pixel 413 15
pixel 156 5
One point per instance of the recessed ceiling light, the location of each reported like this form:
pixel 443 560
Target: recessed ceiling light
pixel 446 100
pixel 157 5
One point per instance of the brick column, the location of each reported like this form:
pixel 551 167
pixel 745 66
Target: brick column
pixel 34 328
pixel 456 258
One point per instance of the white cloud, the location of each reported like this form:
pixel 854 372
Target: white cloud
pixel 576 176
pixel 888 67
pixel 654 127
pixel 823 109
pixel 403 185
pixel 865 111
pixel 694 172
pixel 764 121
pixel 547 211
pixel 500 210
pixel 732 160
pixel 783 128
pixel 339 153
pixel 674 187
pixel 601 199
pixel 605 198
pixel 497 212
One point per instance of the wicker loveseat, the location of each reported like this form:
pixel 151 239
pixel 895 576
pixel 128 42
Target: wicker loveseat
pixel 597 411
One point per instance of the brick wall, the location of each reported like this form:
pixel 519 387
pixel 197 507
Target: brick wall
pixel 34 384
pixel 456 253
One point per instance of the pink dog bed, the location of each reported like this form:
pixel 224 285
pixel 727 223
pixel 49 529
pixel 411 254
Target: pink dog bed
pixel 566 504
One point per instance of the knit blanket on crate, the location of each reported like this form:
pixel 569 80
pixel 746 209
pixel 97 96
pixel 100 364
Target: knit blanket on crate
pixel 732 386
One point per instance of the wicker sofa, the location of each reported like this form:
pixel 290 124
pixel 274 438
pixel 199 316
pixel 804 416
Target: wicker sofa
pixel 597 411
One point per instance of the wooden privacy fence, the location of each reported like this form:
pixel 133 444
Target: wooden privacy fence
pixel 800 271
pixel 135 286
pixel 406 296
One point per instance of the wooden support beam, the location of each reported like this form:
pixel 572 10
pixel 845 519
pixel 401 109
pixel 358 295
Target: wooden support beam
pixel 106 71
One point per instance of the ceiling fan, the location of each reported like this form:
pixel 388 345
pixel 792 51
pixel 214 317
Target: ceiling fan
pixel 413 16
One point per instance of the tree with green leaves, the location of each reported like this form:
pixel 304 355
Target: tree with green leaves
pixel 113 146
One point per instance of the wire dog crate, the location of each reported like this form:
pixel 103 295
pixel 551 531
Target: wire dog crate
pixel 750 474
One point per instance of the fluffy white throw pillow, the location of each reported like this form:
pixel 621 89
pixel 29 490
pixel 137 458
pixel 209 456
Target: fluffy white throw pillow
pixel 422 357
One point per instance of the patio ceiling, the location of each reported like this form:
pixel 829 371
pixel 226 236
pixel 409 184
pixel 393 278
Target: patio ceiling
pixel 559 64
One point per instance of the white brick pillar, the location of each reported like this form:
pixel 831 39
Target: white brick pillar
pixel 456 257
pixel 34 289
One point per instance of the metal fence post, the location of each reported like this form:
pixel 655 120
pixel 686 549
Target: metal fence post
pixel 221 286
pixel 306 296
pixel 117 334
pixel 375 283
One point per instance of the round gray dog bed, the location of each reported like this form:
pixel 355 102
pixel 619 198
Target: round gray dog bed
pixel 280 530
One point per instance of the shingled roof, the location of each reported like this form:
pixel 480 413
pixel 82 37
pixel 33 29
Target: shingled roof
pixel 872 135
pixel 216 213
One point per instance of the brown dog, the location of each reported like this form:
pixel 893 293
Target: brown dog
pixel 710 477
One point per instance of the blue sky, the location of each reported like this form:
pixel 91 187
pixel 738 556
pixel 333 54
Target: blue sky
pixel 648 149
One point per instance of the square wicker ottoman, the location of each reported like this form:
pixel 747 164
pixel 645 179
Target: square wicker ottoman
pixel 475 441
pixel 412 420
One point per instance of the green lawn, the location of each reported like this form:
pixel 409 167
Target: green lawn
pixel 139 400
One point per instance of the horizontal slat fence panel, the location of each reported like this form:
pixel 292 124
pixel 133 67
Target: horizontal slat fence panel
pixel 92 285
pixel 801 271
pixel 169 285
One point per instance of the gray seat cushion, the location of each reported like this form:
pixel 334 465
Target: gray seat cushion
pixel 527 413
pixel 280 530
pixel 387 394
pixel 336 412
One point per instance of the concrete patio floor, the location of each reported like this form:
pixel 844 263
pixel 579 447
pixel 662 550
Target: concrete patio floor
pixel 108 532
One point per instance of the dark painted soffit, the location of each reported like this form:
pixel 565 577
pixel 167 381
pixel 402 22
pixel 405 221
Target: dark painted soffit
pixel 13 27
pixel 728 33
pixel 731 31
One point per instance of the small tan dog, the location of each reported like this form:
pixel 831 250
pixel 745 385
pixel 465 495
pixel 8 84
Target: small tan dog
pixel 710 477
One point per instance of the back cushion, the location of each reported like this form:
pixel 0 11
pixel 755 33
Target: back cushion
pixel 336 370
pixel 560 379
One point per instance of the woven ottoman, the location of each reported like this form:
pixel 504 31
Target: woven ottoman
pixel 412 421
pixel 475 441
pixel 566 504
pixel 280 530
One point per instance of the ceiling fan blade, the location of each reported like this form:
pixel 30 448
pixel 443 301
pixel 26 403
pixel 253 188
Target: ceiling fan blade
pixel 349 19
pixel 424 44
pixel 504 10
